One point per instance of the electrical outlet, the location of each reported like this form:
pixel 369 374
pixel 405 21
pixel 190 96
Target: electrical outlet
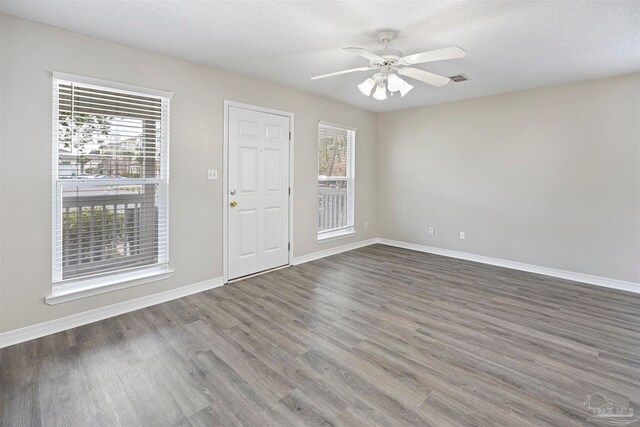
pixel 431 231
pixel 462 235
pixel 212 174
pixel 366 225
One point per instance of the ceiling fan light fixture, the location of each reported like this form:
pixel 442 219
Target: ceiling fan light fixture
pixel 405 88
pixel 394 83
pixel 381 92
pixel 392 63
pixel 367 86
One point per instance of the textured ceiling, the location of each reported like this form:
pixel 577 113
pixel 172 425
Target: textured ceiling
pixel 511 45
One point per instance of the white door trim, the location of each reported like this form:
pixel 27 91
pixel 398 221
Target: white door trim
pixel 225 179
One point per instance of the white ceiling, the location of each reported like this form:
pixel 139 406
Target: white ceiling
pixel 511 45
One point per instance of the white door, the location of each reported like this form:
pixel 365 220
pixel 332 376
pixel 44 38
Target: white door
pixel 258 177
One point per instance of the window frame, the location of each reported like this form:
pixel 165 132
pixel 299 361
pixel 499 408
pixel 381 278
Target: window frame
pixel 96 283
pixel 350 229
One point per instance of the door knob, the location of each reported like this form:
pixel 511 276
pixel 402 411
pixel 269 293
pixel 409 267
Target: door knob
pixel 233 203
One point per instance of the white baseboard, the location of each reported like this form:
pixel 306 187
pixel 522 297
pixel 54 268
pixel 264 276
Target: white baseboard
pixel 546 271
pixel 57 325
pixel 514 265
pixel 328 252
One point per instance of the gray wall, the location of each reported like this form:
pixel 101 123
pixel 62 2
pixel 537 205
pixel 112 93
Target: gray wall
pixel 31 50
pixel 549 176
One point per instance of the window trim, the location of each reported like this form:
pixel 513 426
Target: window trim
pixel 338 125
pixel 70 290
pixel 116 86
pixel 349 230
pixel 334 234
pixel 63 290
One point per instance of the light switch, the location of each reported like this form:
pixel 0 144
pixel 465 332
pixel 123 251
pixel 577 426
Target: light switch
pixel 212 174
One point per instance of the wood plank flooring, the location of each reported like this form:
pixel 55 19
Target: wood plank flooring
pixel 376 336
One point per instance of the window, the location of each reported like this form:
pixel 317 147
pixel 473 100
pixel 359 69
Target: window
pixel 110 179
pixel 336 180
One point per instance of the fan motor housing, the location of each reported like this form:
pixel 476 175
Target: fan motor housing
pixel 391 56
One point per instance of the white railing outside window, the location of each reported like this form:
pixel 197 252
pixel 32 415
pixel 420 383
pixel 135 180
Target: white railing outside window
pixel 332 203
pixel 336 180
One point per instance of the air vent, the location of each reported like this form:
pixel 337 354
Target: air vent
pixel 459 78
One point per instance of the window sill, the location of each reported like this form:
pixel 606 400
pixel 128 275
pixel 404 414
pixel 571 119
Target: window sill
pixel 333 235
pixel 100 285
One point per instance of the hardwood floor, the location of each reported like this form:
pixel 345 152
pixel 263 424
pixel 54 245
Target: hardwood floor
pixel 375 336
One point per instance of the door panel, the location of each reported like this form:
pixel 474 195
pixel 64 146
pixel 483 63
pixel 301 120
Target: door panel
pixel 273 229
pixel 273 168
pixel 274 132
pixel 258 177
pixel 247 233
pixel 247 129
pixel 248 170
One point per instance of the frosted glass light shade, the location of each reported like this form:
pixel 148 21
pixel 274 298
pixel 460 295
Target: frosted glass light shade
pixel 405 88
pixel 381 92
pixel 367 86
pixel 394 83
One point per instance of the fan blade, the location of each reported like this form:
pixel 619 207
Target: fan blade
pixel 365 53
pixel 433 55
pixel 337 73
pixel 424 76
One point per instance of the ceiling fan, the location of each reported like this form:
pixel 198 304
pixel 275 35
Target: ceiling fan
pixel 389 61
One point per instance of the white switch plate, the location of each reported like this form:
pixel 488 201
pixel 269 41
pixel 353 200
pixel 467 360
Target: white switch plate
pixel 431 231
pixel 366 225
pixel 462 235
pixel 212 174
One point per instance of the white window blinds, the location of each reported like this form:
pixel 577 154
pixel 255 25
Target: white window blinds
pixel 111 177
pixel 336 179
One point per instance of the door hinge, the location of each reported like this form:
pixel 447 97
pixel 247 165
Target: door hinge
pixel 289 245
pixel 289 135
pixel 289 190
